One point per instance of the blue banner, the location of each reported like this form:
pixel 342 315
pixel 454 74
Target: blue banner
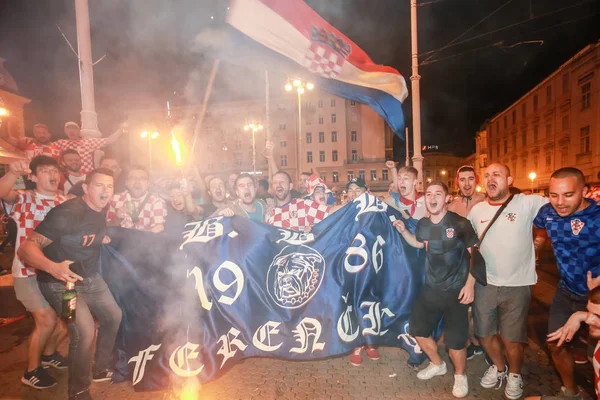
pixel 229 288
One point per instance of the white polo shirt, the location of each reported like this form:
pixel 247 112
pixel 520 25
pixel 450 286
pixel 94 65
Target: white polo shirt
pixel 508 245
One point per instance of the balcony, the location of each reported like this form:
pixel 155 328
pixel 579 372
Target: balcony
pixel 366 161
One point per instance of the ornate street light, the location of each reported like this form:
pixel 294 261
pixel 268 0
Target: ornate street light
pixel 254 127
pixel 300 86
pixel 150 136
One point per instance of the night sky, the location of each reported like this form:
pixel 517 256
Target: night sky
pixel 163 50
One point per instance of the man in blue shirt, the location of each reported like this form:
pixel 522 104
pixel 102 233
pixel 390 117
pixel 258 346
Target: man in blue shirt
pixel 572 223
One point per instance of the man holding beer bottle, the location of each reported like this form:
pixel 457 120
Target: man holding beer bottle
pixel 65 249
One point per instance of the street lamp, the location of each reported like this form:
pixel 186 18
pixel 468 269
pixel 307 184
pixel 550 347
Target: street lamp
pixel 3 113
pixel 300 86
pixel 254 127
pixel 478 189
pixel 150 137
pixel 532 176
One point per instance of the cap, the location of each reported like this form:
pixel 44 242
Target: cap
pixel 71 123
pixel 360 182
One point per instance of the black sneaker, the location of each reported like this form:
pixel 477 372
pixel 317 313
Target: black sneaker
pixel 83 395
pixel 102 376
pixel 38 379
pixel 473 351
pixel 55 360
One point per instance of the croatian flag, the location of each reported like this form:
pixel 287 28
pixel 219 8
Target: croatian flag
pixel 294 30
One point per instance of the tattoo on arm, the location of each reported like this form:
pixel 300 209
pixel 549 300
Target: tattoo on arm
pixel 40 240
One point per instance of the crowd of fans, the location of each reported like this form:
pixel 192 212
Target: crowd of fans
pixel 61 215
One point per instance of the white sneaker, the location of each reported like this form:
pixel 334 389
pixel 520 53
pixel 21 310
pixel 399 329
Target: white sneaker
pixel 432 370
pixel 493 378
pixel 461 386
pixel 514 387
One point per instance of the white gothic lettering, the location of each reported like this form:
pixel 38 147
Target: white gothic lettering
pixel 346 325
pixel 229 342
pixel 203 231
pixel 180 360
pixel 375 317
pixel 292 237
pixel 140 362
pixel 368 203
pixel 307 328
pixel 262 337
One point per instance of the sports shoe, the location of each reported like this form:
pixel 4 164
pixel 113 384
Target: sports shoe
pixel 473 351
pixel 38 379
pixel 103 376
pixel 432 370
pixel 461 386
pixel 83 395
pixel 493 378
pixel 514 387
pixel 55 360
pixel 356 357
pixel 372 353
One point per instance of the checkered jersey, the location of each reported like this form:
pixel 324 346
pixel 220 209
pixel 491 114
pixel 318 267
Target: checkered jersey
pixel 575 240
pixel 153 213
pixel 297 214
pixel 85 148
pixel 28 211
pixel 33 149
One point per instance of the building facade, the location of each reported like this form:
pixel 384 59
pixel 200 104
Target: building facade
pixel 339 139
pixel 554 125
pixel 11 113
pixel 439 166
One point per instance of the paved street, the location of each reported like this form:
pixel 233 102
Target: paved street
pixel 335 378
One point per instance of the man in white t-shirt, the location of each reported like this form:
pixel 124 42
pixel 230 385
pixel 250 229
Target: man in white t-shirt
pixel 500 308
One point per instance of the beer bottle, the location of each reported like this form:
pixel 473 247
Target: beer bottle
pixel 69 303
pixel 132 211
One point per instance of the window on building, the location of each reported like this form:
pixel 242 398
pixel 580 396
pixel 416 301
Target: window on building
pixel 548 94
pixel 334 136
pixel 283 161
pixel 210 166
pixel 548 162
pixel 564 156
pixel 354 155
pixel 309 156
pixel 491 129
pixel 332 102
pixel 354 117
pixel 336 177
pixel 514 116
pixel 535 162
pixel 282 127
pixel 321 156
pixel 350 175
pixel 565 123
pixel 361 174
pixel 352 103
pixel 427 173
pixel 548 130
pixel 497 126
pixel 535 103
pixel 505 122
pixel 334 155
pixel 524 166
pixel 321 137
pixel 283 143
pixel 524 110
pixel 353 136
pixel 505 147
pixel 535 134
pixel 320 120
pixel 238 144
pixel 373 174
pixel 308 137
pixel 238 161
pixel 384 175
pixel 224 166
pixel 514 143
pixel 333 118
pixel 320 104
pixel 584 139
pixel 565 82
pixel 308 121
pixel 323 178
pixel 498 149
pixel 586 95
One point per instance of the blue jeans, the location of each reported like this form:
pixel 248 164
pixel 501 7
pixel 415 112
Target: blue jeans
pixel 94 299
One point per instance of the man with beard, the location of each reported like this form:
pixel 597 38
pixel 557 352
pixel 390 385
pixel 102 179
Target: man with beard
pixel 245 205
pixel 573 224
pixel 216 192
pixel 137 208
pixel 181 209
pixel 293 213
pixel 86 146
pixel 500 308
pixel 448 289
pixel 408 199
pixel 40 144
pixel 73 174
pixel 231 189
pixel 28 208
pixel 65 247
pixel 466 180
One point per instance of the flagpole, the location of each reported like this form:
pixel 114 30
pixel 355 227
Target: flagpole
pixel 267 118
pixel 416 94
pixel 407 147
pixel 209 86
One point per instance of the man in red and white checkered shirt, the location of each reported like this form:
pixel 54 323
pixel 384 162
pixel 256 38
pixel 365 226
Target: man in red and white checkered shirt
pixel 86 146
pixel 295 214
pixel 40 144
pixel 28 208
pixel 136 208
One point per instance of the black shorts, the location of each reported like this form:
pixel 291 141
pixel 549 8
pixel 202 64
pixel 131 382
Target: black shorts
pixel 433 304
pixel 564 304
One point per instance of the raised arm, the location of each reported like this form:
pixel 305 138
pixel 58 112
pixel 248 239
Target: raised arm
pixel 271 160
pixel 7 182
pixel 31 253
pixel 391 165
pixel 118 133
pixel 409 237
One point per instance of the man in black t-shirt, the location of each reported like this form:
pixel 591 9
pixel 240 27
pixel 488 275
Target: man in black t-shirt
pixel 65 247
pixel 448 289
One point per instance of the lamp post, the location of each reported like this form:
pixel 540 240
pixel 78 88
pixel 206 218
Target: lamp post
pixel 300 86
pixel 532 176
pixel 254 127
pixel 3 113
pixel 150 137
